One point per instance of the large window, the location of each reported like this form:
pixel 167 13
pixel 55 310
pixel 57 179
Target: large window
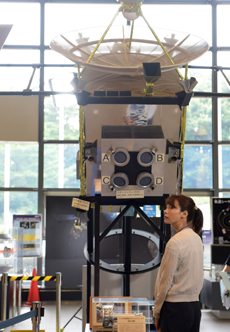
pixel 19 165
pixel 198 166
pixel 60 166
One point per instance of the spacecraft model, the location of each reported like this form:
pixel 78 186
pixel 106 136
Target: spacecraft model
pixel 128 75
pixel 133 99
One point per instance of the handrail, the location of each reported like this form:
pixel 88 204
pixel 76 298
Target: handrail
pixel 36 305
pixel 34 314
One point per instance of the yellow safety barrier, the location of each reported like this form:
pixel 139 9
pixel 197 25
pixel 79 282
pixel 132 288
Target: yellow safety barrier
pixel 5 281
pixel 33 278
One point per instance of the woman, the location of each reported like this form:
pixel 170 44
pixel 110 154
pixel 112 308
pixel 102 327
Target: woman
pixel 180 276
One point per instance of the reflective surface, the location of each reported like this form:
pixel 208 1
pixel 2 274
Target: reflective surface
pixel 209 323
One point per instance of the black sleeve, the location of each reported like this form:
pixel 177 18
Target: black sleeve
pixel 227 262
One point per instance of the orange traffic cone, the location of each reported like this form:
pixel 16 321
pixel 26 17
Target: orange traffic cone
pixel 34 291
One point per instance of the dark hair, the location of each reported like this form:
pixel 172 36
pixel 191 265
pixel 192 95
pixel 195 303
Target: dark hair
pixel 195 215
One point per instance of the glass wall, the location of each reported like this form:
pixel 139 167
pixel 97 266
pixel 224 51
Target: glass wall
pixel 44 161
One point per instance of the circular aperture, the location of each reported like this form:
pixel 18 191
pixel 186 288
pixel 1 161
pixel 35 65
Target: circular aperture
pixel 224 219
pixel 153 241
pixel 120 157
pixel 119 180
pixel 145 157
pixel 145 180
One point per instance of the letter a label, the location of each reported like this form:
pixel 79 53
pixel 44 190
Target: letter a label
pixel 105 158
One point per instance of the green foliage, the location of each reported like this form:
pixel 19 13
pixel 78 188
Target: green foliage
pixel 198 167
pixel 199 120
pixel 61 121
pixel 224 111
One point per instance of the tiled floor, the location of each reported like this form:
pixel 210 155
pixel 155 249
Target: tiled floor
pixel 209 322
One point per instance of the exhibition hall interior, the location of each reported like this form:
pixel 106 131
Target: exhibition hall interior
pixel 108 108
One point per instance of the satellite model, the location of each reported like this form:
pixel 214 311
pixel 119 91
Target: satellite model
pixel 118 52
pixel 133 101
pixel 119 70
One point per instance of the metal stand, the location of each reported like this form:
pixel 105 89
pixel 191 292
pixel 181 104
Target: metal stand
pixel 95 236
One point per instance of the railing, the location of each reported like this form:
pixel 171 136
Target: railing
pixel 37 310
pixel 34 314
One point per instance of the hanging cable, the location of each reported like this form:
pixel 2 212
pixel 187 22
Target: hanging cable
pixel 131 36
pixel 81 151
pixel 161 45
pixel 183 131
pixel 102 38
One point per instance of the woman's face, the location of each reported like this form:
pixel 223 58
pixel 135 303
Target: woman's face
pixel 173 214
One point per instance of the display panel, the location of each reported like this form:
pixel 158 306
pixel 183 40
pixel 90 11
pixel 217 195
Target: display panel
pixel 221 220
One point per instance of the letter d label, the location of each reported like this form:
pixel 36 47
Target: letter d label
pixel 159 180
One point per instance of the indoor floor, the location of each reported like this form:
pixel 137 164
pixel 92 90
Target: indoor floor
pixel 209 322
